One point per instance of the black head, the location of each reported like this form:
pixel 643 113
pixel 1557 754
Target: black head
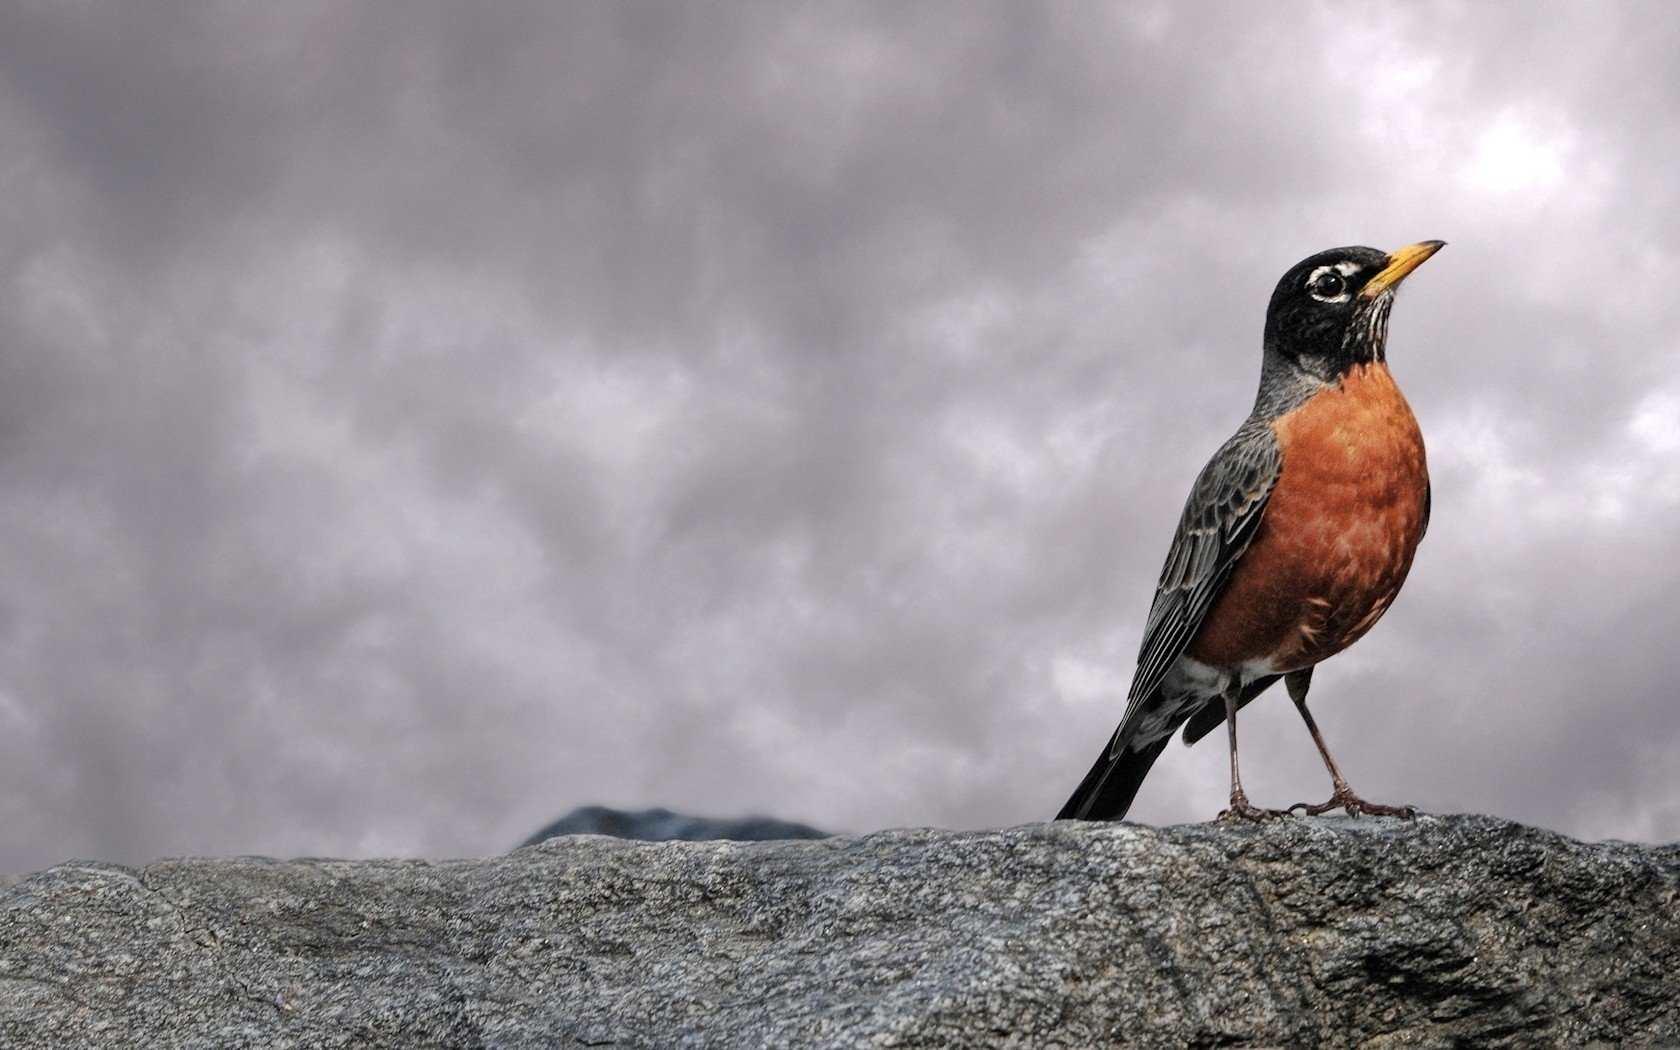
pixel 1330 311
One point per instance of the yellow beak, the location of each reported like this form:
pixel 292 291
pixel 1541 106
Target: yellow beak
pixel 1399 265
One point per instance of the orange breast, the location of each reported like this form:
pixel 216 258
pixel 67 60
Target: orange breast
pixel 1338 534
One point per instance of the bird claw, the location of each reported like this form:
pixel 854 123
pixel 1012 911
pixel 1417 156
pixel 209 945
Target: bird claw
pixel 1242 810
pixel 1355 806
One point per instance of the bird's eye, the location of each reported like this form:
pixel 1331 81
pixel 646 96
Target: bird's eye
pixel 1328 285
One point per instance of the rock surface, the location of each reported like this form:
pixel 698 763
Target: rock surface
pixel 662 825
pixel 1463 930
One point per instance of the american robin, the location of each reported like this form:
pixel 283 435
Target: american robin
pixel 1295 539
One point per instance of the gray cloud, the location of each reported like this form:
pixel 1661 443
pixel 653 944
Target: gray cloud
pixel 417 420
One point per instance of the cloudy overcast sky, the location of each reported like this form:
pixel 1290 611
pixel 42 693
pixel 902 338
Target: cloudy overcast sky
pixel 418 419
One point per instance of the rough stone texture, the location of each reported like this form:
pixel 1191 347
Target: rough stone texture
pixel 662 825
pixel 1462 930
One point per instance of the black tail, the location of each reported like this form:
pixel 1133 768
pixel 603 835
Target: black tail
pixel 1108 789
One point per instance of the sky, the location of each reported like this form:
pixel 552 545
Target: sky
pixel 419 419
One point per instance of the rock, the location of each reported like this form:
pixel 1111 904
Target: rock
pixel 1450 930
pixel 661 825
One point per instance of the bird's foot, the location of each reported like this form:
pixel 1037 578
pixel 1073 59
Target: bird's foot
pixel 1355 806
pixel 1242 809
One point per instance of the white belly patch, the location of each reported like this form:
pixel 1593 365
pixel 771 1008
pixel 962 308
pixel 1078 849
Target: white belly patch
pixel 1186 689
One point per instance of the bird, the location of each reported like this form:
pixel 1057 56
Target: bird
pixel 1295 539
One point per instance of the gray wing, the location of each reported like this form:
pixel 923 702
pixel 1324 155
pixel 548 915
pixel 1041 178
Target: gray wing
pixel 1219 520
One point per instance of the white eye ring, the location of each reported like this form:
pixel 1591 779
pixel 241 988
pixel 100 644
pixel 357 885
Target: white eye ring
pixel 1328 284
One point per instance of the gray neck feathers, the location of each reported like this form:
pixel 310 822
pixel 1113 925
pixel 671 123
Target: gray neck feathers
pixel 1285 384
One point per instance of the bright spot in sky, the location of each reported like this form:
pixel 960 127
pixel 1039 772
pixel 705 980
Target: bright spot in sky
pixel 1512 155
pixel 1656 423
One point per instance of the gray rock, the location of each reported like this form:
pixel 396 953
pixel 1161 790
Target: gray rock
pixel 662 825
pixel 1457 930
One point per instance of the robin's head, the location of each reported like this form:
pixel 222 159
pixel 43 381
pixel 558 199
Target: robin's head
pixel 1330 311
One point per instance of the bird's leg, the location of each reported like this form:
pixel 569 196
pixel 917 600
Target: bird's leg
pixel 1342 796
pixel 1241 808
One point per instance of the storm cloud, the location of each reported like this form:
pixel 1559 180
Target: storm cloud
pixel 418 419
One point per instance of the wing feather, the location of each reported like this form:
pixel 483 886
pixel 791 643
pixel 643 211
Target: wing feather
pixel 1219 519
